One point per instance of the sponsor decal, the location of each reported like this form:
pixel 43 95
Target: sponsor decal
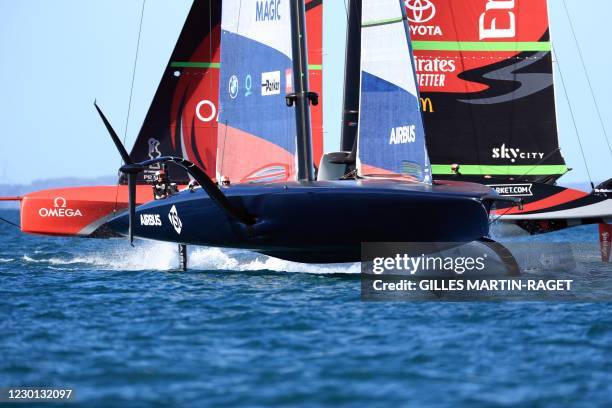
pixel 288 80
pixel 514 190
pixel 233 87
pixel 420 12
pixel 206 111
pixel 432 72
pixel 60 210
pixel 270 83
pixel 498 20
pixel 154 152
pixel 150 220
pixel 175 220
pixel 403 135
pixel 513 155
pixel 248 85
pixel 268 10
pixel 427 105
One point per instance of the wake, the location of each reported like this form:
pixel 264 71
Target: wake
pixel 163 257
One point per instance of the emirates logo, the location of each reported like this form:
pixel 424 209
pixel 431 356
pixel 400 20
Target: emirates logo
pixel 420 11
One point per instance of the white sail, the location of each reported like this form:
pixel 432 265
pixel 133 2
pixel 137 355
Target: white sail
pixel 391 135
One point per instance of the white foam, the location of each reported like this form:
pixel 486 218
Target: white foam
pixel 28 259
pixel 5 260
pixel 217 259
pixel 164 257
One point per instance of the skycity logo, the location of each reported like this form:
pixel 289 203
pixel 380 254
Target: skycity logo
pixel 267 10
pixel 403 134
pixel 175 220
pixel 270 83
pixel 513 155
pixel 498 21
pixel 60 210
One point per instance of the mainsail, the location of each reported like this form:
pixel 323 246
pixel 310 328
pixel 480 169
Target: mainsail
pixel 485 75
pixel 391 139
pixel 256 128
pixel 183 117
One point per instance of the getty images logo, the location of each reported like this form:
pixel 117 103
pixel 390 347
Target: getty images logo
pixel 60 210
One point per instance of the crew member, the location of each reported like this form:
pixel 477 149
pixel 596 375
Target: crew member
pixel 192 185
pixel 161 188
pixel 455 169
pixel 225 182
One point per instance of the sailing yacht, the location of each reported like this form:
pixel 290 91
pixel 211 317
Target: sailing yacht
pixel 485 76
pixel 485 72
pixel 235 113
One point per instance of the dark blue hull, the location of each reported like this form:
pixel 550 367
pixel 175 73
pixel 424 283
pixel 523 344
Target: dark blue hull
pixel 320 221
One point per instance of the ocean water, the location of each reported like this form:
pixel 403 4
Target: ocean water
pixel 121 328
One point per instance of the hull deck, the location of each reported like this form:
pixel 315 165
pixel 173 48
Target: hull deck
pixel 318 221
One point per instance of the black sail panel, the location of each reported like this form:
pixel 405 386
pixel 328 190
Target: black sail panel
pixel 486 79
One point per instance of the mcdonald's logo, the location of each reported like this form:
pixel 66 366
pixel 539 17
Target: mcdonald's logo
pixel 427 105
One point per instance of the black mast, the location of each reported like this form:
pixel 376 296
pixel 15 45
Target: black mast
pixel 352 77
pixel 302 95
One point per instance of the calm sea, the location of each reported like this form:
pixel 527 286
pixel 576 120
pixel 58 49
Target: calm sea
pixel 121 328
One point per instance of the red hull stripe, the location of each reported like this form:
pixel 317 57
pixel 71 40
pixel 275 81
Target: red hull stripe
pixel 563 197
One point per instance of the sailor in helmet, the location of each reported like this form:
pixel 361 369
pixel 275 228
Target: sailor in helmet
pixel 161 187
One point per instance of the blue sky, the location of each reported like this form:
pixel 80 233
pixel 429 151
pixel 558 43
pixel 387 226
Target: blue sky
pixel 58 56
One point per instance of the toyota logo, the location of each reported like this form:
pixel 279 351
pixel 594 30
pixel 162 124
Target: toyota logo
pixel 420 11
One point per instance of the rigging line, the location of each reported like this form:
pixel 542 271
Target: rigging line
pixel 494 220
pixel 548 156
pixel 569 103
pixel 127 119
pixel 10 223
pixel 586 74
